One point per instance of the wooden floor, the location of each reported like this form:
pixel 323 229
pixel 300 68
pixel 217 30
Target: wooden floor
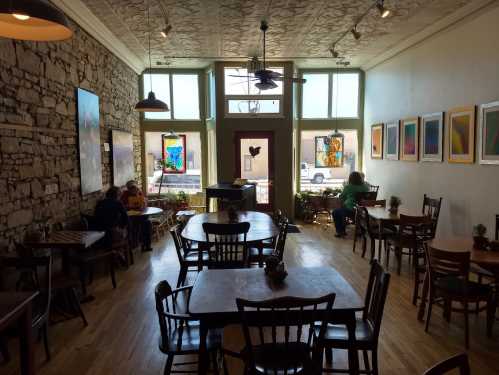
pixel 122 335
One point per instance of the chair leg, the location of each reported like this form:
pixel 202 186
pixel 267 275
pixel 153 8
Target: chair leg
pixel 430 306
pixel 491 311
pixel 168 365
pixel 398 251
pixel 415 292
pixel 83 280
pixel 215 362
pixel 4 349
pixel 355 235
pixel 329 355
pixel 374 357
pixel 76 303
pixel 367 366
pixel 112 271
pixel 373 248
pixel 364 246
pixel 182 275
pixel 45 333
pixel 466 325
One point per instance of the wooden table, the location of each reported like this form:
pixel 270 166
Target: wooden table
pixel 16 308
pixel 213 298
pixel 148 211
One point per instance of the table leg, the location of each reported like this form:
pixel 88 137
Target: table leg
pixel 424 294
pixel 380 229
pixel 207 203
pixel 203 353
pixel 27 352
pixel 353 358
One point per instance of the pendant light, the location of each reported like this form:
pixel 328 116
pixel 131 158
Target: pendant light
pixel 151 104
pixel 35 20
pixel 170 135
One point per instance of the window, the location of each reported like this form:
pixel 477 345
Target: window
pixel 243 99
pixel 184 103
pixel 317 179
pixel 330 95
pixel 190 181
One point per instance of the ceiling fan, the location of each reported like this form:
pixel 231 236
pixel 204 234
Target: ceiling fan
pixel 266 78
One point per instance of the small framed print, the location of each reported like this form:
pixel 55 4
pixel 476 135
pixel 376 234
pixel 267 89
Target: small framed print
pixel 461 124
pixel 409 139
pixel 392 140
pixel 489 133
pixel 377 141
pixel 432 135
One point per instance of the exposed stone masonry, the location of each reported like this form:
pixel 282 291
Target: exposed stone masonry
pixel 39 167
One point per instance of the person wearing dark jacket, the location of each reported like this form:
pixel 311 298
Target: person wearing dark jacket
pixel 111 215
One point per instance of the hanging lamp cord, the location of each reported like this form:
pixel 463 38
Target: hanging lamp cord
pixel 149 32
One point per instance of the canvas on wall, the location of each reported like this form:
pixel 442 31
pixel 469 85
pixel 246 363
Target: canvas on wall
pixel 392 141
pixel 432 133
pixel 123 164
pixel 377 141
pixel 461 124
pixel 174 152
pixel 489 133
pixel 329 152
pixel 409 139
pixel 89 141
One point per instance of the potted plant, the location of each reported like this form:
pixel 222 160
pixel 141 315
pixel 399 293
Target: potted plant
pixel 394 204
pixel 301 204
pixel 182 200
pixel 479 240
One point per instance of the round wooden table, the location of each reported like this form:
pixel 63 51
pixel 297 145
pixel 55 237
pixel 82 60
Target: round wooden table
pixel 262 226
pixel 148 211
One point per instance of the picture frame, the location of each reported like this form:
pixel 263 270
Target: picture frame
pixel 461 133
pixel 432 137
pixel 377 141
pixel 489 133
pixel 392 140
pixel 174 154
pixel 122 157
pixel 409 139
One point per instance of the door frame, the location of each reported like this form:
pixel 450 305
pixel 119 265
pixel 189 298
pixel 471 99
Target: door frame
pixel 257 134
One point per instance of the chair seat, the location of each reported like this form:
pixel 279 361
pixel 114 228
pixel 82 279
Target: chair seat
pixel 455 287
pixel 189 340
pixel 193 256
pixel 364 333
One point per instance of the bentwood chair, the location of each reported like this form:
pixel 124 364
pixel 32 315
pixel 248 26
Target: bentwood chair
pixel 179 330
pixel 228 245
pixel 258 256
pixel 279 334
pixel 368 327
pixel 457 362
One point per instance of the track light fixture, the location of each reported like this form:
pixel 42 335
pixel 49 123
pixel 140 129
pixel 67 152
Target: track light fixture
pixel 333 52
pixel 355 33
pixel 383 12
pixel 166 30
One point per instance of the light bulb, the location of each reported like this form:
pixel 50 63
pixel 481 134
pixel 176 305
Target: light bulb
pixel 21 17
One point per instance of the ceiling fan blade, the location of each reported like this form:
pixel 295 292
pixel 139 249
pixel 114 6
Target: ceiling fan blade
pixel 231 75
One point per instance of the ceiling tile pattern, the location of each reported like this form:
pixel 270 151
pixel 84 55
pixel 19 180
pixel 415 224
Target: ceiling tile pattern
pixel 212 29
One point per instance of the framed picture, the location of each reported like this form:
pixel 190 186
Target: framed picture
pixel 123 164
pixel 489 133
pixel 377 141
pixel 461 123
pixel 392 141
pixel 432 136
pixel 173 150
pixel 89 141
pixel 329 151
pixel 409 139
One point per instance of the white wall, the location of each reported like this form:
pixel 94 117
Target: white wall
pixel 456 67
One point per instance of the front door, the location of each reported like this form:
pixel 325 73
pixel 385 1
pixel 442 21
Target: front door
pixel 254 162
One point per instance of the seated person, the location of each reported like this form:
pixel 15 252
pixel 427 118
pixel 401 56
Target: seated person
pixel 355 185
pixel 111 216
pixel 134 199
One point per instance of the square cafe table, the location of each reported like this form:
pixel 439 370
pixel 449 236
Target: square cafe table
pixel 213 299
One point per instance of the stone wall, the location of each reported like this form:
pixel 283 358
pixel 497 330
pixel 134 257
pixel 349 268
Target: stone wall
pixel 39 170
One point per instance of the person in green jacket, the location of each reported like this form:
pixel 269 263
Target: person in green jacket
pixel 355 185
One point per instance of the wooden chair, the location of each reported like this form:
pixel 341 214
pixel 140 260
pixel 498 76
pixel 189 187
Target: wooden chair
pixel 431 208
pixel 259 255
pixel 368 327
pixel 373 188
pixel 179 330
pixel 187 259
pixel 368 228
pixel 457 362
pixel 228 245
pixel 270 348
pixel 358 231
pixel 366 196
pixel 449 280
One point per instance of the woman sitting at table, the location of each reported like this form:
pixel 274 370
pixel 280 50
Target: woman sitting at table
pixel 355 185
pixel 111 216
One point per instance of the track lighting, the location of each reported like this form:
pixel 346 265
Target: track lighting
pixel 333 52
pixel 383 12
pixel 355 33
pixel 166 30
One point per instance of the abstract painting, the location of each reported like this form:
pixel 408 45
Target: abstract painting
pixel 89 141
pixel 377 141
pixel 123 164
pixel 409 139
pixel 174 154
pixel 329 152
pixel 462 135
pixel 392 141
pixel 489 133
pixel 432 133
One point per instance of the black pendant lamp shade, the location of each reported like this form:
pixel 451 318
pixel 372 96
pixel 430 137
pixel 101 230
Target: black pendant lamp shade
pixel 35 20
pixel 151 104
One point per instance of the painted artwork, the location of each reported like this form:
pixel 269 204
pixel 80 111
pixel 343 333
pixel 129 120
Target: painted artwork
pixel 329 152
pixel 392 141
pixel 432 132
pixel 409 139
pixel 489 133
pixel 462 135
pixel 174 154
pixel 377 141
pixel 89 141
pixel 123 164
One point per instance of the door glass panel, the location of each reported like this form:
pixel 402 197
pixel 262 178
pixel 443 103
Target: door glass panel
pixel 256 168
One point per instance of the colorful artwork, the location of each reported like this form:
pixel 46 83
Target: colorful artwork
pixel 377 141
pixel 123 164
pixel 329 152
pixel 89 141
pixel 432 130
pixel 174 154
pixel 462 135
pixel 410 139
pixel 392 141
pixel 489 133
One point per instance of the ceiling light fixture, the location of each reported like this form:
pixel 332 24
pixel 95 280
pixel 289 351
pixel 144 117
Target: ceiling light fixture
pixel 355 33
pixel 383 12
pixel 151 104
pixel 333 52
pixel 166 30
pixel 35 20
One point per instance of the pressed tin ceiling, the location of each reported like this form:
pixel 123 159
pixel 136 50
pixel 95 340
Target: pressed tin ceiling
pixel 207 30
